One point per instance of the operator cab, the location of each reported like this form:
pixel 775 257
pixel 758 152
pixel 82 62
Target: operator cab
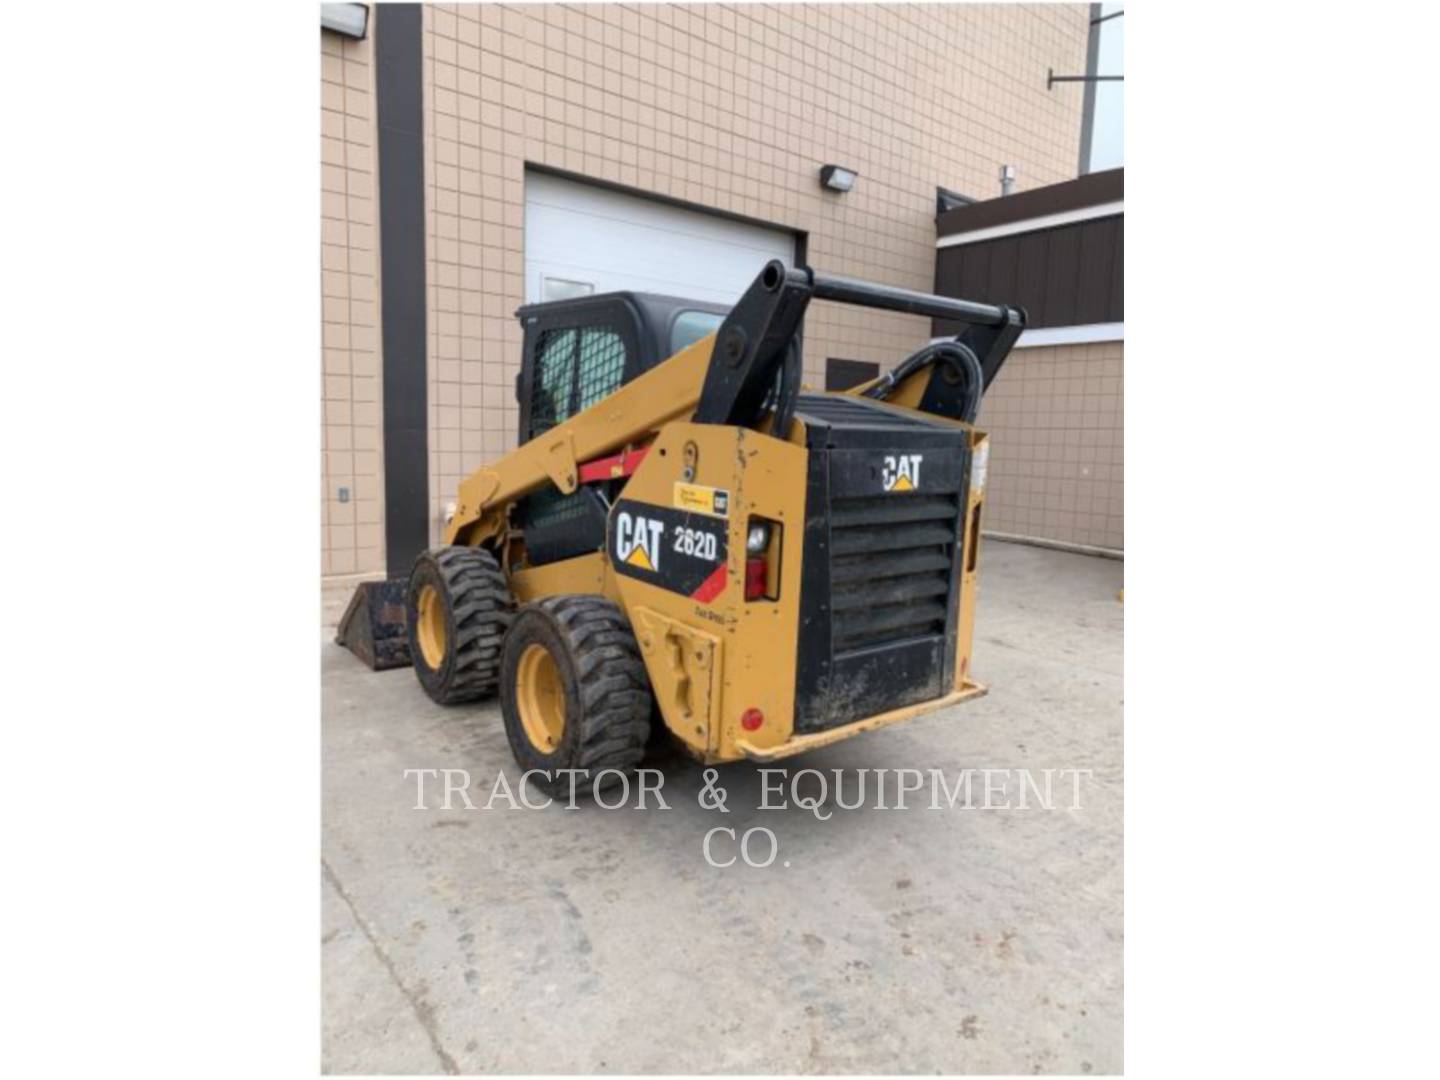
pixel 580 350
pixel 577 352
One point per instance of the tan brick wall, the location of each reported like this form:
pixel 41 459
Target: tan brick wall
pixel 1056 418
pixel 733 108
pixel 349 276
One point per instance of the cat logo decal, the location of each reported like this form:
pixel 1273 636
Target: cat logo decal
pixel 637 541
pixel 901 473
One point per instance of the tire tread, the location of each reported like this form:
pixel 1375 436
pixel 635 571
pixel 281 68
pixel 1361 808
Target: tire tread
pixel 614 687
pixel 482 608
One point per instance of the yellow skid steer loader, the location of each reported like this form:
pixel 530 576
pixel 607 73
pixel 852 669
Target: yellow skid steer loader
pixel 687 537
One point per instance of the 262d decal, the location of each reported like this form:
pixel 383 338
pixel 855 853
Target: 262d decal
pixel 681 552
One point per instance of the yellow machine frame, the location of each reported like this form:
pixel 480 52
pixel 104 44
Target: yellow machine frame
pixel 707 663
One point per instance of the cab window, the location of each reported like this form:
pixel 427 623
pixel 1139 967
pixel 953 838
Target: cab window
pixel 690 326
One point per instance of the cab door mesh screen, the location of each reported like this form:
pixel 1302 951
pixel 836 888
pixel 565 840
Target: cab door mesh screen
pixel 601 366
pixel 554 379
pixel 573 370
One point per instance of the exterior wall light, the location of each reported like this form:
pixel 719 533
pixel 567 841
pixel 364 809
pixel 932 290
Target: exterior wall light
pixel 349 20
pixel 837 177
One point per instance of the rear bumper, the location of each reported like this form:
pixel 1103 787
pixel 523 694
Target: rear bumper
pixel 801 743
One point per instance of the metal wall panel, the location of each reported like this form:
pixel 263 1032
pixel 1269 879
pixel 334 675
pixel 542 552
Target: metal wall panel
pixel 1070 275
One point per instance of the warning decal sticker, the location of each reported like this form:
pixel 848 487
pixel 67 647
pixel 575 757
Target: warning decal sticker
pixel 699 499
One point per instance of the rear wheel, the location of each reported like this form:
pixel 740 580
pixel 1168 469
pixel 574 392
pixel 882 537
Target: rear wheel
pixel 458 607
pixel 574 692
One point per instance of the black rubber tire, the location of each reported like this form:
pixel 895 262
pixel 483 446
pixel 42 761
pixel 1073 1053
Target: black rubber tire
pixel 607 693
pixel 478 609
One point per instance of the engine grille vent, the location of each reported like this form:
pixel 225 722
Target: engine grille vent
pixel 881 574
pixel 891 559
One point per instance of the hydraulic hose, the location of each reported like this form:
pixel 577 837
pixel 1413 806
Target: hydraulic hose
pixel 955 355
pixel 787 389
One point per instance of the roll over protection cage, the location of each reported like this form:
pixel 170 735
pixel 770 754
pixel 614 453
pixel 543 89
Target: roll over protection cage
pixel 756 352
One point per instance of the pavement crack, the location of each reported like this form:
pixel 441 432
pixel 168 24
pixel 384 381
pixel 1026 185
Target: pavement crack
pixel 424 1012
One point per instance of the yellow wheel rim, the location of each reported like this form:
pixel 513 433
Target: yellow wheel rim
pixel 430 626
pixel 540 696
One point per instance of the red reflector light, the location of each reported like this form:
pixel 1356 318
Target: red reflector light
pixel 755 577
pixel 751 719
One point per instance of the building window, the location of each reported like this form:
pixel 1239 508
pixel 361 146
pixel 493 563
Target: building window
pixel 555 288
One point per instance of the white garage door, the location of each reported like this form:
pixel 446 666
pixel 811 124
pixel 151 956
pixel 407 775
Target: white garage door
pixel 581 239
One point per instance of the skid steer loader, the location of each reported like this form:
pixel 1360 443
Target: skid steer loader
pixel 687 537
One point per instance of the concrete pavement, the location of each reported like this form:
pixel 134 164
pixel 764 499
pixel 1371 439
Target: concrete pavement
pixel 553 940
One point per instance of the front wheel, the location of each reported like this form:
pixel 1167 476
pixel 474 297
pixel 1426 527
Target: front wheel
pixel 457 609
pixel 574 692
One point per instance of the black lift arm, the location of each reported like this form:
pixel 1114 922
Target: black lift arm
pixel 755 339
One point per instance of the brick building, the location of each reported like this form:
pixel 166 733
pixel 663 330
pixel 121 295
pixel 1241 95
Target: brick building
pixel 531 152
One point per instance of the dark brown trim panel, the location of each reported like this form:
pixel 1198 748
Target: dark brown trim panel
pixel 1069 275
pixel 1095 189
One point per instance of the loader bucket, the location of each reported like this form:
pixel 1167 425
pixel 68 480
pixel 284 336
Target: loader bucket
pixel 373 626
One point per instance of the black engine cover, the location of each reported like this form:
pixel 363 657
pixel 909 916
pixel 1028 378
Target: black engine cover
pixel 884 514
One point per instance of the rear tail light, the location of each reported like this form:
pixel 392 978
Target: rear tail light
pixel 751 719
pixel 755 577
pixel 762 559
